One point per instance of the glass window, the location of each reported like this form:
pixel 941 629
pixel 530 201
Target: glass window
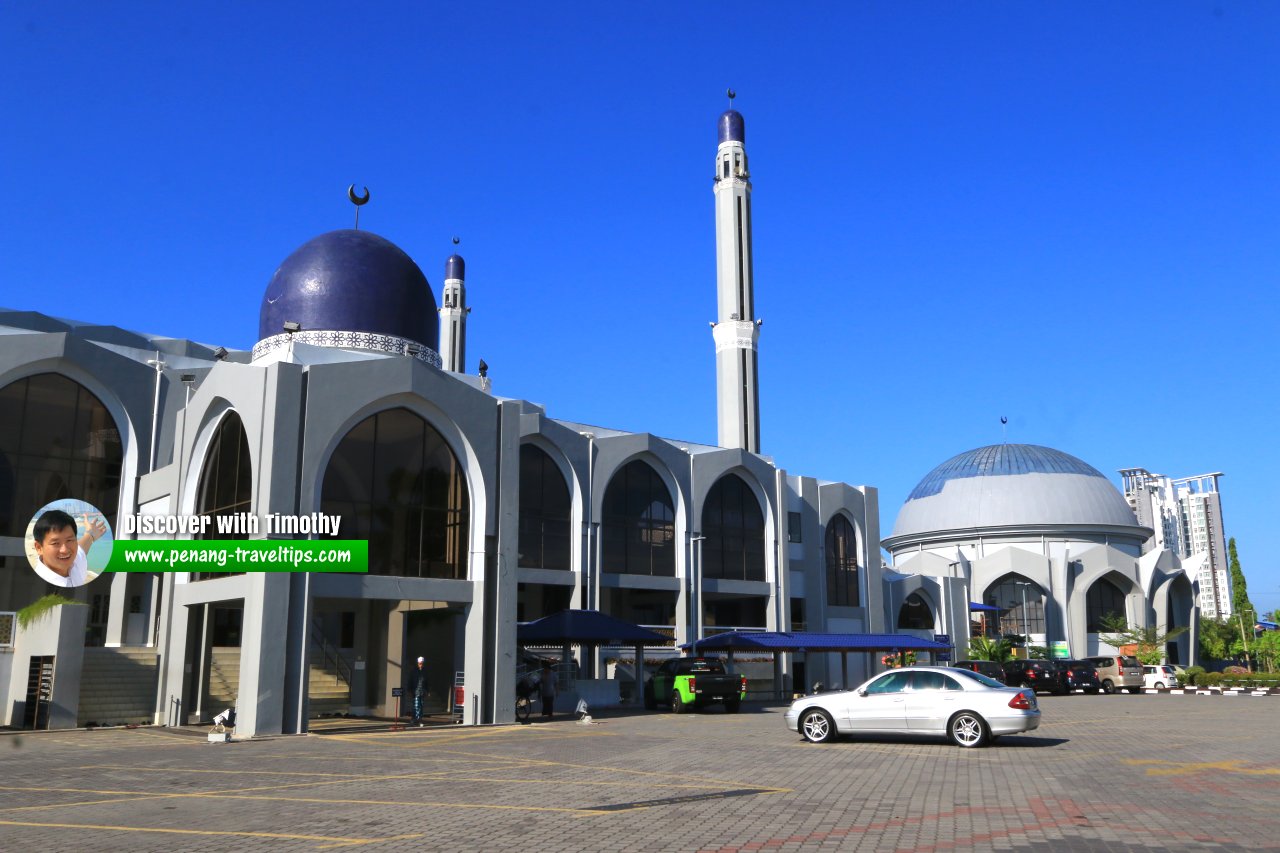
pixel 927 681
pixel 545 511
pixel 226 482
pixel 1021 607
pixel 734 529
pixel 894 682
pixel 639 523
pixel 395 482
pixel 842 563
pixel 57 441
pixel 915 613
pixel 794 527
pixel 1105 599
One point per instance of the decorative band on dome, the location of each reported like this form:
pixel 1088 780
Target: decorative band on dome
pixel 369 341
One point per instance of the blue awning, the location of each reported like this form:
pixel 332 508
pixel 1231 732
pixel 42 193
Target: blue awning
pixel 1264 625
pixel 807 641
pixel 975 606
pixel 588 628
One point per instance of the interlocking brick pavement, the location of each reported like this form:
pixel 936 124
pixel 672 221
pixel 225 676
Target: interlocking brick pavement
pixel 1102 773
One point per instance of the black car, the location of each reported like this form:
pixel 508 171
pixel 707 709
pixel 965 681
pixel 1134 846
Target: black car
pixel 989 668
pixel 1079 675
pixel 1036 674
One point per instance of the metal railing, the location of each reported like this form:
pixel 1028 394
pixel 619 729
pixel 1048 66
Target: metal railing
pixel 329 653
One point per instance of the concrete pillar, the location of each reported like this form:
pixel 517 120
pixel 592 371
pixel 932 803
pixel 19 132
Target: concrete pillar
pixel 118 610
pixel 263 644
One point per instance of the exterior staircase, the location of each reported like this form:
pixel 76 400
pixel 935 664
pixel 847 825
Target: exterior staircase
pixel 118 686
pixel 329 682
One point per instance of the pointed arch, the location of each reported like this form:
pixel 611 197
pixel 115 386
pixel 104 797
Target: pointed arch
pixel 225 486
pixel 1021 604
pixel 638 520
pixel 1105 598
pixel 915 613
pixel 545 511
pixel 394 481
pixel 733 525
pixel 842 563
pixel 57 440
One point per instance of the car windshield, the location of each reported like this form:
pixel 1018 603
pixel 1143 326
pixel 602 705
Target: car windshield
pixel 978 677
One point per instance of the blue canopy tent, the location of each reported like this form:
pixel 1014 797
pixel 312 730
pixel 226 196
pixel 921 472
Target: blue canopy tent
pixel 590 629
pixel 809 641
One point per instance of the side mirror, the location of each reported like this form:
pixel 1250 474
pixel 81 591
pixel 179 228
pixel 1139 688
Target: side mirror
pixel 862 691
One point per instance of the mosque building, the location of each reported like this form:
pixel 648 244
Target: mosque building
pixel 483 511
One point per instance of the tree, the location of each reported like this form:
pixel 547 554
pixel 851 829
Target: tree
pixel 985 648
pixel 1218 639
pixel 1151 641
pixel 1240 603
pixel 1267 648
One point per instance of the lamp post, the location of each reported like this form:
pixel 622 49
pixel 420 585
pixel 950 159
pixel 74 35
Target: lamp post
pixel 1026 628
pixel 1245 642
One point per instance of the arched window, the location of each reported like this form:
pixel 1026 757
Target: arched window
pixel 842 563
pixel 1104 599
pixel 395 482
pixel 734 529
pixel 544 511
pixel 57 441
pixel 639 523
pixel 915 613
pixel 226 482
pixel 1020 603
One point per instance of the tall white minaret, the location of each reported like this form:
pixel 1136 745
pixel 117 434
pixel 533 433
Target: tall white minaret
pixel 453 315
pixel 736 330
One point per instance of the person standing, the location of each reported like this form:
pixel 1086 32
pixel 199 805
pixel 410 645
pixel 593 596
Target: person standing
pixel 418 684
pixel 547 689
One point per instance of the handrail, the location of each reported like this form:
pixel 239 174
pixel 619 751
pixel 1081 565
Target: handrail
pixel 330 653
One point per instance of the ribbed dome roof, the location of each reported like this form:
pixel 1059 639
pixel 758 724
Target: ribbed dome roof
pixel 1008 485
pixel 351 281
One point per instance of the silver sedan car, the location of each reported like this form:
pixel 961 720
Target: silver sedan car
pixel 969 708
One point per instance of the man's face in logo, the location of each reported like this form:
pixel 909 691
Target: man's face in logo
pixel 58 550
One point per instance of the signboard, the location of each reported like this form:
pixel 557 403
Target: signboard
pixel 1059 650
pixel 942 656
pixel 396 692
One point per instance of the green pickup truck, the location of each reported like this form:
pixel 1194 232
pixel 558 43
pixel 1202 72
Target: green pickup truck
pixel 684 683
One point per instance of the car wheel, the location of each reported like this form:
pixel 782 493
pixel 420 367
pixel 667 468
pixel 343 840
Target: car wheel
pixel 968 730
pixel 816 726
pixel 1159 684
pixel 677 704
pixel 1108 686
pixel 650 702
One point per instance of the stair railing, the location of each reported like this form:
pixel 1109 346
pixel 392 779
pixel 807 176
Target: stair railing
pixel 329 653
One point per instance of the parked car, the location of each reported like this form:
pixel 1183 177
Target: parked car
pixel 684 683
pixel 965 706
pixel 1162 675
pixel 1118 672
pixel 1036 674
pixel 989 668
pixel 1079 675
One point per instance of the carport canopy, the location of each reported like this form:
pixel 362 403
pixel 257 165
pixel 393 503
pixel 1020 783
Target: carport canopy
pixel 586 628
pixel 809 641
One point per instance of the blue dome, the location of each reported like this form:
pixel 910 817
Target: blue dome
pixel 455 267
pixel 732 127
pixel 351 281
pixel 1009 486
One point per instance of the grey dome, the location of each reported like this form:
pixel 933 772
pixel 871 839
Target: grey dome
pixel 351 281
pixel 1011 485
pixel 732 127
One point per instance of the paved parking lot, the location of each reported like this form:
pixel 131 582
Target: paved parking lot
pixel 1103 773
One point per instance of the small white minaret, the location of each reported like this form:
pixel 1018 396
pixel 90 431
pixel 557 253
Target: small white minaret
pixel 736 330
pixel 453 315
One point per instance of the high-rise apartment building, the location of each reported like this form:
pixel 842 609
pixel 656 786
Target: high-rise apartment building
pixel 1186 517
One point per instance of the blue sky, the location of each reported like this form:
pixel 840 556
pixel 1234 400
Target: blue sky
pixel 1063 213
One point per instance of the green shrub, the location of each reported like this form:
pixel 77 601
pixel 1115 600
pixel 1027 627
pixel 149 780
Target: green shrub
pixel 1192 673
pixel 1210 679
